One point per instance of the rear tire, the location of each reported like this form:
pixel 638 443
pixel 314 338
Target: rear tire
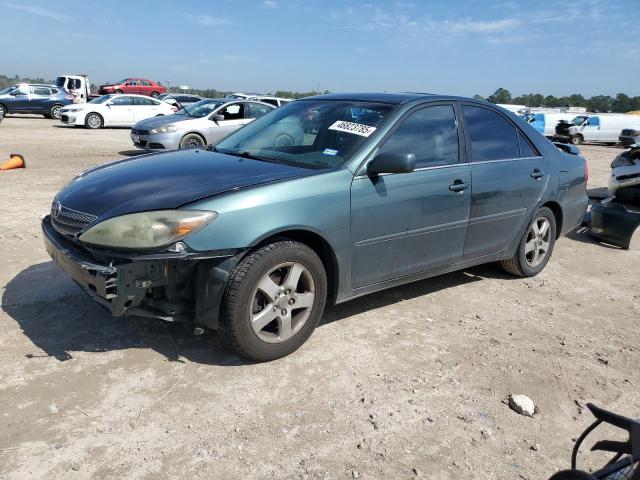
pixel 154 94
pixel 3 110
pixel 93 121
pixel 54 112
pixel 192 140
pixel 576 139
pixel 119 91
pixel 273 300
pixel 535 247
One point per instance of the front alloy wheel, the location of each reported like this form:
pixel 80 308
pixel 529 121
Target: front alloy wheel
pixel 282 302
pixel 273 300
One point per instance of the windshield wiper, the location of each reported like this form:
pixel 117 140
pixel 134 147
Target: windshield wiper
pixel 245 154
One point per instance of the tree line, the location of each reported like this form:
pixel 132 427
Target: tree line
pixel 621 103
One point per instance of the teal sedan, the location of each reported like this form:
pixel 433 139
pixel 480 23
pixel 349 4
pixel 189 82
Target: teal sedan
pixel 322 200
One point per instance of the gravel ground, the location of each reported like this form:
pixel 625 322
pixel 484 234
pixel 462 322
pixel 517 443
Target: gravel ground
pixel 407 383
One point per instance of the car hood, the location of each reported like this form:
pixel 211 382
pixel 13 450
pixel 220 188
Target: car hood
pixel 155 122
pixel 166 181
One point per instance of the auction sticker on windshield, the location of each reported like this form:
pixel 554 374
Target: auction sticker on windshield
pixel 355 128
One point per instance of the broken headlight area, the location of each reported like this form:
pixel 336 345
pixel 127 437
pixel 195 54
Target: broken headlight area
pixel 174 285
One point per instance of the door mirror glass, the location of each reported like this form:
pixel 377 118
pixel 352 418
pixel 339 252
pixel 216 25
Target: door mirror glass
pixel 392 162
pixel 217 118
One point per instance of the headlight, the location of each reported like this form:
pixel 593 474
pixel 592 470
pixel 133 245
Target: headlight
pixel 164 129
pixel 147 229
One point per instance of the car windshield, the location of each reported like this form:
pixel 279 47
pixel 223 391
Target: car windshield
pixel 163 96
pixel 579 120
pixel 200 109
pixel 7 90
pixel 101 99
pixel 308 133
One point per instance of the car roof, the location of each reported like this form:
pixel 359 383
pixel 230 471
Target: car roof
pixel 385 97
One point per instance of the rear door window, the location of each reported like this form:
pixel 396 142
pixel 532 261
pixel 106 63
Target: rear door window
pixel 526 149
pixel 143 101
pixel 492 136
pixel 257 110
pixel 430 133
pixel 42 91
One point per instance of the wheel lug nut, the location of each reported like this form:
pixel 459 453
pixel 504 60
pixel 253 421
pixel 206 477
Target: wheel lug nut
pixel 275 308
pixel 283 311
pixel 287 292
pixel 291 301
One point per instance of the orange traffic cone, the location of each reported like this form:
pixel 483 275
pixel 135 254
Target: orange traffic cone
pixel 15 161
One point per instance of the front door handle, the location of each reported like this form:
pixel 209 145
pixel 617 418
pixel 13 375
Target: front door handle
pixel 458 186
pixel 537 174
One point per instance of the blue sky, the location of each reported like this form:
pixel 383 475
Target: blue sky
pixel 459 47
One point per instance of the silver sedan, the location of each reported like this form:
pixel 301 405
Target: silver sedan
pixel 197 125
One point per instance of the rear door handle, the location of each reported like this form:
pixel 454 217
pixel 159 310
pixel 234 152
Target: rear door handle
pixel 537 174
pixel 458 186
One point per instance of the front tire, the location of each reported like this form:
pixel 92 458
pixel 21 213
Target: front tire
pixel 273 300
pixel 119 91
pixel 576 139
pixel 154 94
pixel 536 246
pixel 54 112
pixel 3 111
pixel 93 121
pixel 192 140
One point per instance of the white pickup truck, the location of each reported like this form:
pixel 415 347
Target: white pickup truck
pixel 77 85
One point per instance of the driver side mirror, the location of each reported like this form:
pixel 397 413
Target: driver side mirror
pixel 217 118
pixel 392 162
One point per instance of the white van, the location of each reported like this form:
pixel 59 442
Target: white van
pixel 546 123
pixel 596 127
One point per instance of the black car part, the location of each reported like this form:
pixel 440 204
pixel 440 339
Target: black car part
pixel 625 463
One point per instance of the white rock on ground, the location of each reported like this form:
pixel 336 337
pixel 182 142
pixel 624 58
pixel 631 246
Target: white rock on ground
pixel 522 404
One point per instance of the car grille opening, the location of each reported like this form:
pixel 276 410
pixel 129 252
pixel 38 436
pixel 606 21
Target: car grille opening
pixel 136 131
pixel 64 118
pixel 69 222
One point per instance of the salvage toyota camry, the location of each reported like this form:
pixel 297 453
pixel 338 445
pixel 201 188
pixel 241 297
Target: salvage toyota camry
pixel 322 200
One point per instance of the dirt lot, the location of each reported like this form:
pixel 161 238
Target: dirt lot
pixel 404 384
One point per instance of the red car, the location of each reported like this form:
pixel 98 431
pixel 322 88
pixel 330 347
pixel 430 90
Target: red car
pixel 141 86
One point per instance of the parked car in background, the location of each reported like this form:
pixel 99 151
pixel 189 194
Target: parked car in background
pixel 546 123
pixel 253 237
pixel 275 101
pixel 595 128
pixel 630 136
pixel 241 96
pixel 178 100
pixel 141 86
pixel 114 111
pixel 46 100
pixel 197 125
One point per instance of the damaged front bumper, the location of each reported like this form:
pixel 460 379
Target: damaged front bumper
pixel 171 286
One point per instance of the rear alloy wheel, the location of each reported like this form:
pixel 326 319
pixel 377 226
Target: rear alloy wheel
pixel 55 112
pixel 273 300
pixel 93 121
pixel 192 140
pixel 576 139
pixel 118 91
pixel 535 246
